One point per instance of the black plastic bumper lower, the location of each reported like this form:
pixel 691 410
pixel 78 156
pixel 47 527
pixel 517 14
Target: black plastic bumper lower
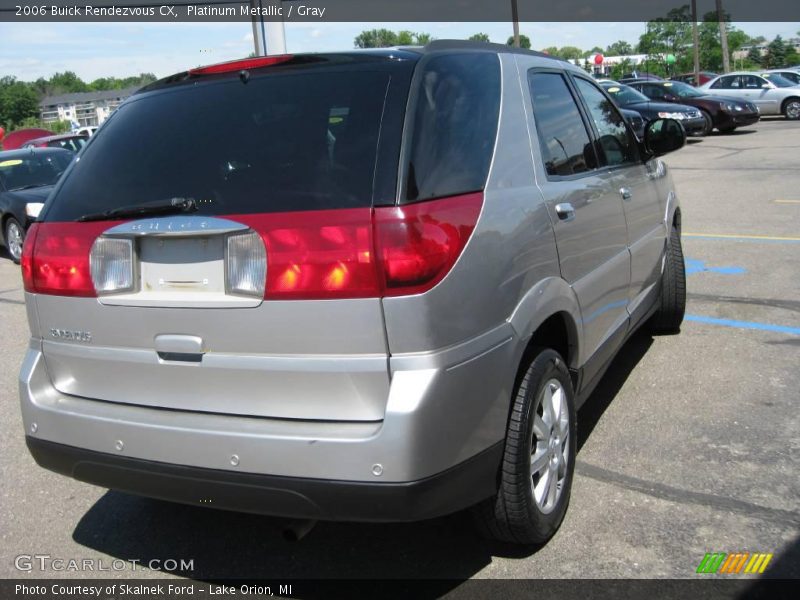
pixel 459 487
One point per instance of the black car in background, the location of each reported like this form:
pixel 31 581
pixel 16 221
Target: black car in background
pixel 635 120
pixel 626 97
pixel 721 113
pixel 26 178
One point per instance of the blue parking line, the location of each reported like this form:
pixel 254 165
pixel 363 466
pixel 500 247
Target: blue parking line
pixel 743 324
pixel 731 238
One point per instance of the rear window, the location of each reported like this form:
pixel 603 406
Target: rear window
pixel 288 141
pixel 34 169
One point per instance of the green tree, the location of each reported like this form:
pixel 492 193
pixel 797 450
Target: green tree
pixel 405 38
pixel 570 52
pixel 479 37
pixel 524 41
pixel 67 82
pixel 18 101
pixel 668 35
pixel 776 54
pixel 595 50
pixel 620 48
pixel 754 56
pixel 376 38
pixel 423 39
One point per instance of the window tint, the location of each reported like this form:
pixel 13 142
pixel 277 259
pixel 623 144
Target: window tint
pixel 752 82
pixel 454 127
pixel 616 145
pixel 299 140
pixel 33 169
pixel 727 82
pixel 565 144
pixel 654 91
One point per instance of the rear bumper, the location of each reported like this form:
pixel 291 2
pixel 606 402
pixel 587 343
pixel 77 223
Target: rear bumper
pixel 293 497
pixel 444 409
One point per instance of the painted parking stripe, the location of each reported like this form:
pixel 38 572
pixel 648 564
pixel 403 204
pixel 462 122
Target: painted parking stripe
pixel 787 201
pixel 743 238
pixel 743 324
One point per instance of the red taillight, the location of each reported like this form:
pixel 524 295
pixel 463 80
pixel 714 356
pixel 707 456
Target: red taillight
pixel 418 244
pixel 243 64
pixel 317 254
pixel 352 253
pixel 57 258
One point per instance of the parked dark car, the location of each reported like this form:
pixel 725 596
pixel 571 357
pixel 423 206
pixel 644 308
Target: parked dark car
pixel 724 114
pixel 635 120
pixel 627 97
pixel 704 76
pixel 26 178
pixel 67 141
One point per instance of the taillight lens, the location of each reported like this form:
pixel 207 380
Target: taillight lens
pixel 351 253
pixel 111 264
pixel 317 254
pixel 418 244
pixel 56 258
pixel 246 266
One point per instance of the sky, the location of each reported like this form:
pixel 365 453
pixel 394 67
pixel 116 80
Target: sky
pixel 94 50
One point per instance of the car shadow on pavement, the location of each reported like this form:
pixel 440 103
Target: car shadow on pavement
pixel 618 371
pixel 228 545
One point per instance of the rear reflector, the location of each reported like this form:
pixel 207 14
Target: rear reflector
pixel 246 266
pixel 241 65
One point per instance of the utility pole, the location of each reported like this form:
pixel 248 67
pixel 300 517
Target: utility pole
pixel 696 43
pixel 723 38
pixel 269 36
pixel 515 19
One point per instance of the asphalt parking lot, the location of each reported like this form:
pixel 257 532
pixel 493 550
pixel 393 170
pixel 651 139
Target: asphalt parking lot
pixel 689 446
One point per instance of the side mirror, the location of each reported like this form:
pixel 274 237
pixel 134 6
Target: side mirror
pixel 663 136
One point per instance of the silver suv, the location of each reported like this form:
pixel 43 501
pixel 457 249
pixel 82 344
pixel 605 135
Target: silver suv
pixel 359 286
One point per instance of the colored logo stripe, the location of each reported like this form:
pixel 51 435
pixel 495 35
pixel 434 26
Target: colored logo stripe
pixel 732 564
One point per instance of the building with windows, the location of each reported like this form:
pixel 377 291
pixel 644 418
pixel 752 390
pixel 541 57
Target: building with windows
pixel 85 108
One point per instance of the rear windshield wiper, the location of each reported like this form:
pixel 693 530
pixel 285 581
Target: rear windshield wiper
pixel 158 207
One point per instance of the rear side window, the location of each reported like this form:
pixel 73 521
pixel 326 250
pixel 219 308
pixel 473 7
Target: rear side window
pixel 290 141
pixel 454 126
pixel 616 147
pixel 727 82
pixel 566 147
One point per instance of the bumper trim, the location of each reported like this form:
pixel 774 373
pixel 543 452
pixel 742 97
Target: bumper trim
pixel 449 491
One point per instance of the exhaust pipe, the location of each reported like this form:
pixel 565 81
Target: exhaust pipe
pixel 294 531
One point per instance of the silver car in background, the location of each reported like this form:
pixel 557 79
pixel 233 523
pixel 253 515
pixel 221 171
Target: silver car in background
pixel 770 92
pixel 378 292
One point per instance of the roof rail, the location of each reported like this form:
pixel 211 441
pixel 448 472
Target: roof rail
pixel 437 45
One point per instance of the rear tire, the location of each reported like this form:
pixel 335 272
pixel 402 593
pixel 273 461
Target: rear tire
pixel 672 300
pixel 539 458
pixel 791 109
pixel 15 236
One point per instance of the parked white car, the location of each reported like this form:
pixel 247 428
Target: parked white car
pixel 87 131
pixel 770 92
pixel 792 75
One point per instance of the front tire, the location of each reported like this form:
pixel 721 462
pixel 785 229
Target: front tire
pixel 791 109
pixel 709 125
pixel 539 459
pixel 672 300
pixel 15 236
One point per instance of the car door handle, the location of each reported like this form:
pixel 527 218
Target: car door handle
pixel 625 193
pixel 565 211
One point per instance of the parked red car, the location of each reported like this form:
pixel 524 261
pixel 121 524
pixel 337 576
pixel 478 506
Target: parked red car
pixel 68 141
pixel 16 139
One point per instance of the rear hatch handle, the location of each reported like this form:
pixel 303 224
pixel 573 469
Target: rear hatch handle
pixel 178 347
